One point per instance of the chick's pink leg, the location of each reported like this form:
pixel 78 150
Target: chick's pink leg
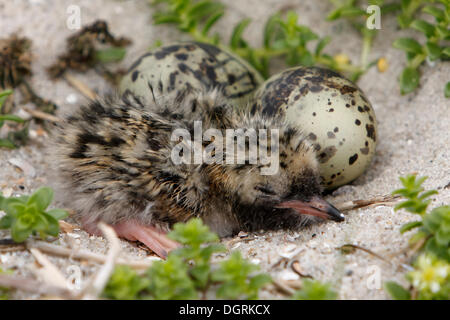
pixel 150 236
pixel 131 230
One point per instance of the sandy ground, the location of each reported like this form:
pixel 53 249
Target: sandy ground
pixel 414 136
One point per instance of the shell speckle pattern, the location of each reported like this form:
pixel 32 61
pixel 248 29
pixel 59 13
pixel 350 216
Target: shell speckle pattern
pixel 191 66
pixel 334 114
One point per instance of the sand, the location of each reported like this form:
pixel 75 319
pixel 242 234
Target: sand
pixel 413 133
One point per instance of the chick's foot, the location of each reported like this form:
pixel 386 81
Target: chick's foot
pixel 152 237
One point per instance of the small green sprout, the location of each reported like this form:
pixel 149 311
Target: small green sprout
pixel 434 48
pixel 193 235
pixel 430 278
pixel 125 284
pixel 238 280
pixel 315 290
pixel 169 280
pixel 188 272
pixel 434 226
pixel 26 215
pixel 14 137
pixel 283 37
pixel 4 292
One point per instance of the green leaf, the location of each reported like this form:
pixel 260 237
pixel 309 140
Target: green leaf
pixel 5 143
pixel 433 51
pixel 6 222
pixel 125 284
pixel 321 45
pixel 20 235
pixel 202 9
pixel 396 291
pixel 315 290
pixel 446 52
pixel 236 40
pixel 58 214
pixel 421 25
pixel 410 225
pixel 211 21
pixel 259 281
pixel 52 227
pixel 447 90
pixel 42 198
pixel 113 54
pixel 408 45
pixel 3 96
pixel 161 18
pixel 11 117
pixel 192 233
pixel 435 12
pixel 270 28
pixel 409 80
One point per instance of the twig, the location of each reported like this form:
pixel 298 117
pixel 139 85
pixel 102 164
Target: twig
pixel 83 254
pixel 42 115
pixel 49 273
pixel 8 245
pixel 376 201
pixel 94 289
pixel 80 86
pixel 295 266
pixel 31 285
pixel 349 247
pixel 282 287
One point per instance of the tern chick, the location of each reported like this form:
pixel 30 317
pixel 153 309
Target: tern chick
pixel 115 162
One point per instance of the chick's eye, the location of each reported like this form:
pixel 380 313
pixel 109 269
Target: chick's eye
pixel 265 189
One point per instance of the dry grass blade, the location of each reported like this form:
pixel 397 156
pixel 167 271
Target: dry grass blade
pixel 80 86
pixel 33 286
pixel 66 227
pixel 295 266
pixel 49 273
pixel 350 248
pixel 96 287
pixel 83 254
pixel 8 245
pixel 376 201
pixel 282 287
pixel 42 115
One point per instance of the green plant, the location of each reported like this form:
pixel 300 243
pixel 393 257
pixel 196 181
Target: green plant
pixel 283 36
pixel 355 12
pixel 26 215
pixel 188 272
pixel 14 137
pixel 315 290
pixel 237 279
pixel 124 284
pixel 434 226
pixel 435 47
pixel 4 292
pixel 430 278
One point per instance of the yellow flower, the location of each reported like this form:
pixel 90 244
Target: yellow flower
pixel 382 64
pixel 430 273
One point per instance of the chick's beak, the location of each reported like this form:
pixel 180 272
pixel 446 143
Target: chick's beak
pixel 314 207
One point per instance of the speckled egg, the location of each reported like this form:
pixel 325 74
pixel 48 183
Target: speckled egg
pixel 191 65
pixel 334 114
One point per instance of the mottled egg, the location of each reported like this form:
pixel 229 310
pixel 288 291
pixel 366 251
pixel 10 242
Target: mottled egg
pixel 334 114
pixel 191 65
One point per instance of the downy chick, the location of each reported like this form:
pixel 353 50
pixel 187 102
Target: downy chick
pixel 115 161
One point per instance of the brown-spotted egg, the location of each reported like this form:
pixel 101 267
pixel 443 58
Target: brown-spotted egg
pixel 334 114
pixel 191 65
